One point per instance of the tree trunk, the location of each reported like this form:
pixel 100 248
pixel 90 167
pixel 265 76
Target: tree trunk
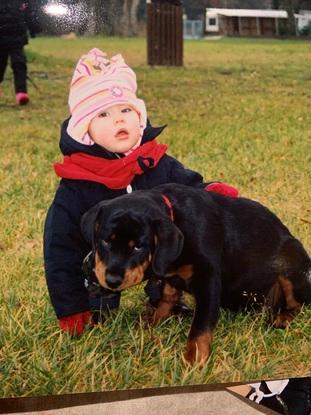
pixel 95 17
pixel 112 17
pixel 114 11
pixel 91 21
pixel 128 21
pixel 125 19
pixel 133 16
pixel 290 23
pixel 276 4
pixel 298 5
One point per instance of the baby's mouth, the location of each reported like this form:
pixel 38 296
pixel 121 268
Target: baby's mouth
pixel 122 133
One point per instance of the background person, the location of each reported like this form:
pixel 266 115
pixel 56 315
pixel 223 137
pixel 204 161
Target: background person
pixel 16 20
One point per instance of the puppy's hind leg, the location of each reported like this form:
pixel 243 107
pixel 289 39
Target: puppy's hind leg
pixel 292 306
pixel 294 281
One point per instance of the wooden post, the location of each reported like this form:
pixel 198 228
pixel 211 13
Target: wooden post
pixel 277 32
pixel 164 33
pixel 240 25
pixel 258 26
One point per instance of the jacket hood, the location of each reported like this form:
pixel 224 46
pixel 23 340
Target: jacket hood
pixel 70 146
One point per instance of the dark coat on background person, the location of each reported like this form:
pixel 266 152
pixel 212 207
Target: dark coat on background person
pixel 17 18
pixel 64 246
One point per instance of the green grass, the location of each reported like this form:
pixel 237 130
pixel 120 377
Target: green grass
pixel 239 111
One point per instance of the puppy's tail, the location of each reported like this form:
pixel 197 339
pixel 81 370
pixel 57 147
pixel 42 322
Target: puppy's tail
pixel 294 264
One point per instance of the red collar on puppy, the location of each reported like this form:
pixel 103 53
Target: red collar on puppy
pixel 169 205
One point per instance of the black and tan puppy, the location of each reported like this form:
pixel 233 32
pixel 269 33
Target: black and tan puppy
pixel 226 252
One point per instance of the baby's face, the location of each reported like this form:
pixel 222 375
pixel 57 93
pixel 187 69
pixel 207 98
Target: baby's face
pixel 117 128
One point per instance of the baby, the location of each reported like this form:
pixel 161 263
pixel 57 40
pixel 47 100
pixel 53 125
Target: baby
pixel 109 149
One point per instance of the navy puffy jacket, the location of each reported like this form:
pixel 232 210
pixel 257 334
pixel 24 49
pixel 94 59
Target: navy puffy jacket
pixel 64 246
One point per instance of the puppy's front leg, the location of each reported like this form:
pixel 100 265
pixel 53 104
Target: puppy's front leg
pixel 207 290
pixel 170 297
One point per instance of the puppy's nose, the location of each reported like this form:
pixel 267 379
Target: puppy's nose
pixel 113 280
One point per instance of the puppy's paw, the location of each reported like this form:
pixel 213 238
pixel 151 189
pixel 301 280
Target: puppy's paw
pixel 282 320
pixel 198 349
pixel 193 356
pixel 148 315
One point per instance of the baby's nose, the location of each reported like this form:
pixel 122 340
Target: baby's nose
pixel 119 118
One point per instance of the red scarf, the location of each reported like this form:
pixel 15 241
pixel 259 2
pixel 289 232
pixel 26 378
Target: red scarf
pixel 115 174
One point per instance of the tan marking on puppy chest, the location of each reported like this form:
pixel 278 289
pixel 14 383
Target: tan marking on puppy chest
pixel 185 272
pixel 96 227
pixel 134 276
pixel 131 244
pixel 100 270
pixel 170 296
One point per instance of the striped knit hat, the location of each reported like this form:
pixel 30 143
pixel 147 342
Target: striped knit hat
pixel 98 83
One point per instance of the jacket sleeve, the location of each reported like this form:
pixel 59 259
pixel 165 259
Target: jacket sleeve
pixel 179 174
pixel 64 250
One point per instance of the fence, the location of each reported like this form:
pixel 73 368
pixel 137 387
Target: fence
pixel 193 29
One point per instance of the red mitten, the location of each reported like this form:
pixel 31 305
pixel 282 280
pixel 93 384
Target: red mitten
pixel 223 189
pixel 74 325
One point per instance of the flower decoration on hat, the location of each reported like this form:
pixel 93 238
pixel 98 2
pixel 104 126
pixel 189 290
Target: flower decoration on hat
pixel 116 91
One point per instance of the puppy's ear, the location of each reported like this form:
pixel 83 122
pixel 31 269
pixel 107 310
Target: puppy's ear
pixel 88 223
pixel 169 244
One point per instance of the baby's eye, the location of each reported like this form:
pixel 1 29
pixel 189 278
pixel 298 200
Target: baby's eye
pixel 127 109
pixel 103 114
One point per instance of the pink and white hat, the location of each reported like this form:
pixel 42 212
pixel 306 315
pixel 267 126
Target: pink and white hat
pixel 98 83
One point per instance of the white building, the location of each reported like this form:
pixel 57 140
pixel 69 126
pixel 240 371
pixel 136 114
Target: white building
pixel 249 22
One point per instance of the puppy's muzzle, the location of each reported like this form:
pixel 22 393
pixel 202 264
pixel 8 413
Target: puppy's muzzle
pixel 113 280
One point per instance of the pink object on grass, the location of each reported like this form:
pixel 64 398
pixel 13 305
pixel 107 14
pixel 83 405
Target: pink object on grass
pixel 22 98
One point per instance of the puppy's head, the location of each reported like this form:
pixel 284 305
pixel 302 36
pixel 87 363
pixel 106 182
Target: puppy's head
pixel 126 241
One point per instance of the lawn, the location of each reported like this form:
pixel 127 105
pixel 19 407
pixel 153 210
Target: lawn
pixel 238 111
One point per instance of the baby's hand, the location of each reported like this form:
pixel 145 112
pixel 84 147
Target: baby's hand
pixel 75 324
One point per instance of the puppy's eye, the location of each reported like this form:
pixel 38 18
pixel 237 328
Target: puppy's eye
pixel 137 248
